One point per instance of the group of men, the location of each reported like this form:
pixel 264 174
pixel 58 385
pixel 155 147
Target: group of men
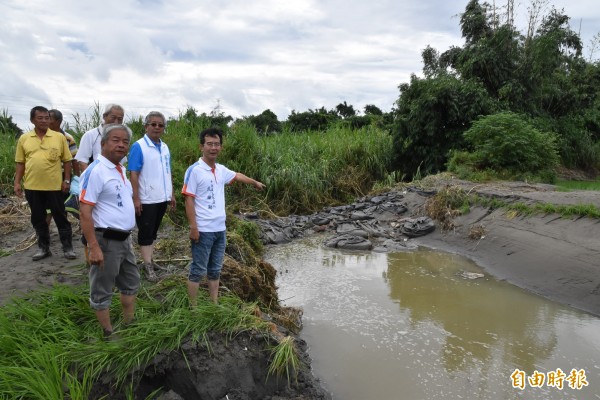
pixel 111 204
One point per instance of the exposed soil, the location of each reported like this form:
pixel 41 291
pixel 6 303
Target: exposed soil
pixel 233 368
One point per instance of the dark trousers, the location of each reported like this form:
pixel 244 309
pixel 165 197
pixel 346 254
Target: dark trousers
pixel 149 222
pixel 42 200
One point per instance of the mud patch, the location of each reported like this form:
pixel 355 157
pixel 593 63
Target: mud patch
pixel 219 367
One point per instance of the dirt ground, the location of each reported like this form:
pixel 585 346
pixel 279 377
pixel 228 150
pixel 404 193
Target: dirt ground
pixel 18 273
pixel 233 368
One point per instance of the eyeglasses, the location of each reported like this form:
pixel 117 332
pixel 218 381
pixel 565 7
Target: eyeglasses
pixel 212 144
pixel 154 125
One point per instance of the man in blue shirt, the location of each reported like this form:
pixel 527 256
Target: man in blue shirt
pixel 150 173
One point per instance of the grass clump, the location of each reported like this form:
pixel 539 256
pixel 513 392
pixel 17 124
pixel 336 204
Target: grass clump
pixel 8 144
pixel 520 208
pixel 284 359
pixel 446 205
pixel 51 345
pixel 452 201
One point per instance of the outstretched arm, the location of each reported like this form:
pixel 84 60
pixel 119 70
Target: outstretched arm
pixel 249 181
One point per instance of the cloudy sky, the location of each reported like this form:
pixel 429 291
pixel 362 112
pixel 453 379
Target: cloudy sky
pixel 243 56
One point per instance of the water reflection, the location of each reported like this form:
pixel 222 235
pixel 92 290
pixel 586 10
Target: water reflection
pixel 480 316
pixel 410 326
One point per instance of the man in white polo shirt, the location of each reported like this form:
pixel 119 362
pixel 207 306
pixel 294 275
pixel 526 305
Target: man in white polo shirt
pixel 150 171
pixel 89 145
pixel 204 191
pixel 107 219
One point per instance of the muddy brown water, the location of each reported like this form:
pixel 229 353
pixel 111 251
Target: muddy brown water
pixel 413 325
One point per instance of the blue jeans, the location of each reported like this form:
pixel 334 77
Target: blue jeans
pixel 207 256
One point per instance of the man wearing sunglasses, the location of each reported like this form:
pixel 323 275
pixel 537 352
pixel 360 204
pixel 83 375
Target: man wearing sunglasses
pixel 150 174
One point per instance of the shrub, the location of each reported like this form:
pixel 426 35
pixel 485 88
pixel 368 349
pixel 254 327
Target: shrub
pixel 506 142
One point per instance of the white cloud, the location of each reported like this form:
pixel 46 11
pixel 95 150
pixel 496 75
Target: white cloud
pixel 166 55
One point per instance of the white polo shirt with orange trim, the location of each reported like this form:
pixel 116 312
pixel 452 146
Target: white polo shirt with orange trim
pixel 207 186
pixel 106 188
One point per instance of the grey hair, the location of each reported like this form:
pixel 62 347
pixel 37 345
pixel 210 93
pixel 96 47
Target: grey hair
pixel 154 114
pixel 110 107
pixel 111 127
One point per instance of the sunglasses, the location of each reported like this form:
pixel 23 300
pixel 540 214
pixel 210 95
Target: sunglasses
pixel 154 125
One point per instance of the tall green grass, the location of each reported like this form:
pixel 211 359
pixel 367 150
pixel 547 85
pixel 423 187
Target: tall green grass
pixel 7 163
pixel 85 122
pixel 305 171
pixel 51 345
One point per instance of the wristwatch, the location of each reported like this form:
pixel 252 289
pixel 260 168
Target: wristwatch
pixel 68 182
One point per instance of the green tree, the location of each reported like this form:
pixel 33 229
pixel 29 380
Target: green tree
pixel 345 110
pixel 265 123
pixel 311 120
pixel 371 109
pixel 541 75
pixel 551 59
pixel 191 123
pixel 430 118
pixel 474 22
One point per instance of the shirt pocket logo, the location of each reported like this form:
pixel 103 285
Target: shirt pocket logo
pixel 53 154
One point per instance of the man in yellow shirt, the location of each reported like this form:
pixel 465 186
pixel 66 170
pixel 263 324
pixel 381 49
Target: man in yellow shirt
pixel 40 158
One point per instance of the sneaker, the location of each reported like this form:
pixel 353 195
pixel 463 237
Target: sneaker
pixel 150 274
pixel 41 253
pixel 70 255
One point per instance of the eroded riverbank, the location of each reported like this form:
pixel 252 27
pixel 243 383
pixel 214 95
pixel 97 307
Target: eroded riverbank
pixel 549 255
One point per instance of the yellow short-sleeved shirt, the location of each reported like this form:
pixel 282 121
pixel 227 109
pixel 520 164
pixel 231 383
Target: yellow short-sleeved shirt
pixel 43 159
